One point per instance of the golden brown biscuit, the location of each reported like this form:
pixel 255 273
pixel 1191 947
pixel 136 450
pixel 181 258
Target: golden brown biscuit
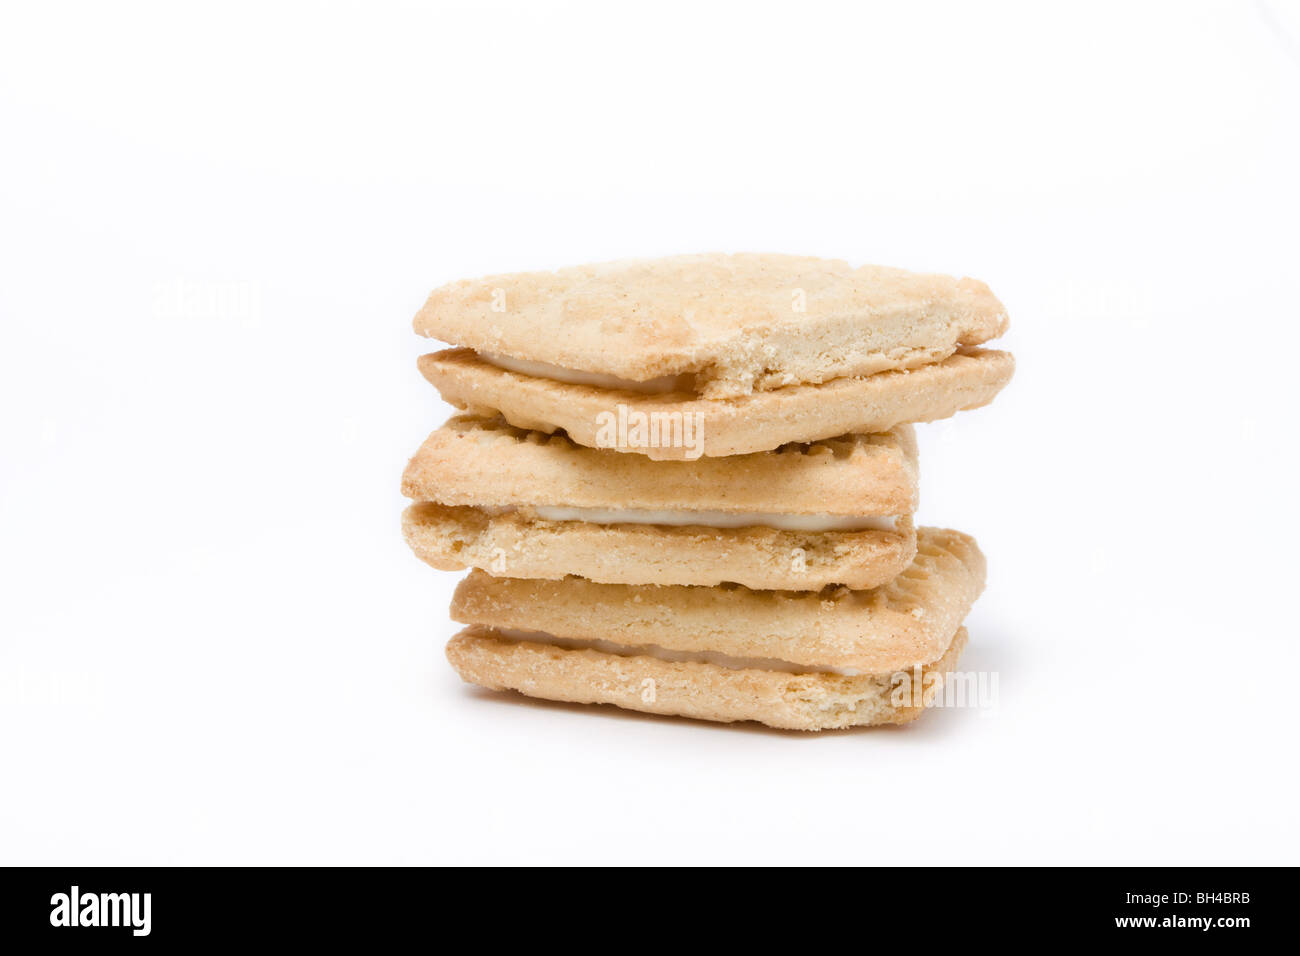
pixel 699 689
pixel 682 426
pixel 520 544
pixel 734 323
pixel 485 462
pixel 528 505
pixel 903 623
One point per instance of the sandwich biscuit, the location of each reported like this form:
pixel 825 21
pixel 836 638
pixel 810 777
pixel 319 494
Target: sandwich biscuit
pixel 726 354
pixel 523 504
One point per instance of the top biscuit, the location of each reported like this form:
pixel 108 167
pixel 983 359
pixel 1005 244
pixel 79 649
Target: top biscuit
pixel 736 323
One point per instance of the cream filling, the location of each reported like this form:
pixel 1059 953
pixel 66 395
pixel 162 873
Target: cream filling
pixel 678 657
pixel 720 519
pixel 654 386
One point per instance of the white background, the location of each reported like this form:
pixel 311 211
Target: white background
pixel 216 225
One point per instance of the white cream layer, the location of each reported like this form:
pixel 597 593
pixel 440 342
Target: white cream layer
pixel 679 657
pixel 712 519
pixel 654 386
pixel 720 519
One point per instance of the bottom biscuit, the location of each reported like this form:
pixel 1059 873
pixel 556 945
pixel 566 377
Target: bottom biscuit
pixel 695 688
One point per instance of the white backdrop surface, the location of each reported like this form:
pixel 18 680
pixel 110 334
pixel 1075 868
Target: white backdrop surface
pixel 216 225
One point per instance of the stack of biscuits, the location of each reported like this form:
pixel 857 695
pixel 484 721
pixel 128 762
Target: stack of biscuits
pixel 687 485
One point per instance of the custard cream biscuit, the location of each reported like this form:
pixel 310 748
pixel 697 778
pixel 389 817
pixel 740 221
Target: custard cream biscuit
pixel 902 624
pixel 717 690
pixel 522 504
pixel 715 355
